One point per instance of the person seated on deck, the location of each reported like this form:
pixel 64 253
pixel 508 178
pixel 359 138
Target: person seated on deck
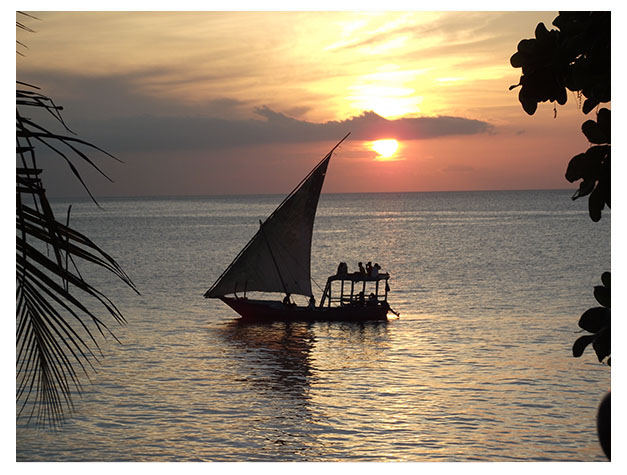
pixel 375 270
pixel 342 269
pixel 362 271
pixel 372 300
pixel 361 299
pixel 312 302
pixel 287 301
pixel 369 268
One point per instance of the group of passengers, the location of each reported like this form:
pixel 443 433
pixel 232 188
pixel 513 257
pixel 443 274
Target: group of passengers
pixel 361 300
pixel 369 271
pixel 287 301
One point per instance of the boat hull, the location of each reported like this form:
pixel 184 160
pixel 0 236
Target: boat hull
pixel 267 310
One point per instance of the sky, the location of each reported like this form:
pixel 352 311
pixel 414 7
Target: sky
pixel 209 103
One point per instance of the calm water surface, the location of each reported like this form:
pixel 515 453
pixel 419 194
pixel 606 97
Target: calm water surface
pixel 489 285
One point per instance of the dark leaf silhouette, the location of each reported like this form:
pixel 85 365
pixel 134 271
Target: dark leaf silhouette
pixel 594 319
pixel 603 296
pixel 585 188
pixel 606 279
pixel 597 321
pixel 578 168
pixel 593 132
pixel 596 204
pixel 604 119
pixel 602 343
pixel 599 131
pixel 588 165
pixel 580 344
pixel 589 104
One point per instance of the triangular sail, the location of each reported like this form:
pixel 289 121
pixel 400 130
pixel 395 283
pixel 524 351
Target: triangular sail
pixel 278 257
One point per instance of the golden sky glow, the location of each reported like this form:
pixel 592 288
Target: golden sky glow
pixel 151 85
pixel 331 65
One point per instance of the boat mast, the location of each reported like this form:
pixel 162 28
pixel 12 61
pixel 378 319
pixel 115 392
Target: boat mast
pixel 276 266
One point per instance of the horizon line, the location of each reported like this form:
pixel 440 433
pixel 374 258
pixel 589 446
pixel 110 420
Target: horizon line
pixel 226 195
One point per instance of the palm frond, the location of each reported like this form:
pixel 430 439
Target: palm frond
pixel 57 332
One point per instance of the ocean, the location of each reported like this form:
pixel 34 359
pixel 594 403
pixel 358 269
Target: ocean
pixel 489 286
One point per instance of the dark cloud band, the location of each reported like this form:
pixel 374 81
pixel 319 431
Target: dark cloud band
pixel 193 133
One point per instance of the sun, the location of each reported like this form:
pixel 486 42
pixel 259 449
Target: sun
pixel 385 148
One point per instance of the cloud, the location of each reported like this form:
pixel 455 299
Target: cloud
pixel 113 113
pixel 145 133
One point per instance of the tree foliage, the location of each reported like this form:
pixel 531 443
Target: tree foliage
pixel 576 57
pixel 56 328
pixel 597 321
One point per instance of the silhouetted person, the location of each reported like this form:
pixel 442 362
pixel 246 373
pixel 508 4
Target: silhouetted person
pixel 312 302
pixel 372 300
pixel 376 269
pixel 369 268
pixel 361 269
pixel 362 298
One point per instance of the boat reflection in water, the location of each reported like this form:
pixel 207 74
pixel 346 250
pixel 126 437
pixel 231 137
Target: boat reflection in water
pixel 278 354
pixel 290 368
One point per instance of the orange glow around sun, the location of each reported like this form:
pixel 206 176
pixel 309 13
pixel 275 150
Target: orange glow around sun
pixel 385 148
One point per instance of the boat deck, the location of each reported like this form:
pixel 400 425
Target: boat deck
pixel 265 310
